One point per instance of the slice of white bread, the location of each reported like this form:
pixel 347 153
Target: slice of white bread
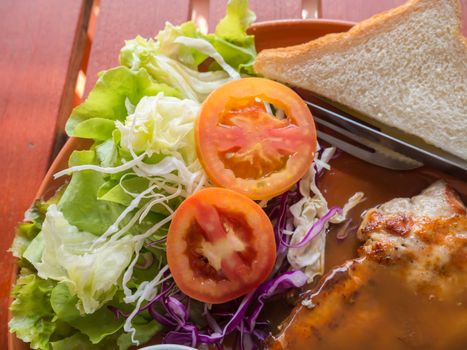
pixel 406 68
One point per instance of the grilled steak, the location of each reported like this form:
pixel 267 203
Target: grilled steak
pixel 408 290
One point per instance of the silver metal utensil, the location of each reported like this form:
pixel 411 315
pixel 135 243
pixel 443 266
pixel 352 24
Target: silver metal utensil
pixel 369 143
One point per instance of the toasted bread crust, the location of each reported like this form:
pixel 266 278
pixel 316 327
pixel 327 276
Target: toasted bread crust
pixel 404 68
pixel 356 35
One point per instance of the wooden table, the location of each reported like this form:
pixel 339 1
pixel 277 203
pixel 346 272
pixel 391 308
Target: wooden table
pixel 50 53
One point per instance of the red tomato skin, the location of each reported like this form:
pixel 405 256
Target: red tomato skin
pixel 207 290
pixel 276 94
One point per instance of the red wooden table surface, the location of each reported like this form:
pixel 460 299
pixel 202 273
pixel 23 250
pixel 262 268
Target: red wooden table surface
pixel 48 48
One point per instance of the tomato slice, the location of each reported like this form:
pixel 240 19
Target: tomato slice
pixel 244 148
pixel 220 245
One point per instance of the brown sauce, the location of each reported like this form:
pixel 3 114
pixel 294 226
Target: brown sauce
pixel 374 313
pixel 347 176
pixel 371 306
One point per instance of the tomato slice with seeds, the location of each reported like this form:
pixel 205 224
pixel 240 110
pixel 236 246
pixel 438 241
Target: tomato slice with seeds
pixel 244 148
pixel 220 245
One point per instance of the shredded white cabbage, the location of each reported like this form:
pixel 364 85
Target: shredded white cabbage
pixel 105 170
pixel 114 227
pixel 146 291
pixel 352 202
pixel 169 60
pixel 160 124
pixel 164 125
pixel 268 108
pixel 194 85
pixel 157 125
pixel 313 205
pixel 130 108
pixel 206 47
pixel 306 212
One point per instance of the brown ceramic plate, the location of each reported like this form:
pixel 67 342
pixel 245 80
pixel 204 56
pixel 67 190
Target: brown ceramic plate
pixel 347 176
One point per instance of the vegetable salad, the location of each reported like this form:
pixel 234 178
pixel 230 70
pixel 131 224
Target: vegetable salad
pixel 93 259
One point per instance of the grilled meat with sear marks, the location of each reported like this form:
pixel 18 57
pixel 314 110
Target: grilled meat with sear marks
pixel 407 291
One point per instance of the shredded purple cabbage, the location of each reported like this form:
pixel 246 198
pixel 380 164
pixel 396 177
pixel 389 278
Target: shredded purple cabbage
pixel 279 213
pixel 240 317
pixel 345 229
pixel 163 320
pixel 316 228
pixel 157 241
pixel 337 153
pixel 243 320
pixel 280 284
pixel 117 312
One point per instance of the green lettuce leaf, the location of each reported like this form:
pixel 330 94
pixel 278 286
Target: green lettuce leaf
pixel 25 234
pixel 192 84
pixel 27 230
pixel 178 51
pixel 107 152
pixel 96 326
pixel 79 203
pixel 108 100
pixel 235 23
pixel 92 274
pixel 33 252
pixel 85 205
pixel 139 52
pixel 32 313
pixel 186 55
pixel 75 342
pixel 231 39
pixel 145 330
pixel 79 341
pixel 241 58
pixel 99 129
pixel 112 191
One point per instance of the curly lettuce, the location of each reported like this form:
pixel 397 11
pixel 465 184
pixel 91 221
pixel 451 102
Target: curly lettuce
pixel 32 312
pixel 82 252
pixel 178 51
pixel 108 100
